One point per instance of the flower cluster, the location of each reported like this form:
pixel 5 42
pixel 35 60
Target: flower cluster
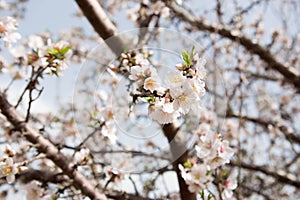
pixel 212 153
pixel 41 52
pixel 8 168
pixel 8 27
pixel 146 9
pixel 180 92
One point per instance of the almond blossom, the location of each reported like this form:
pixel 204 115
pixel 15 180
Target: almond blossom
pixel 8 27
pixel 8 169
pixel 163 111
pixel 229 186
pixel 196 178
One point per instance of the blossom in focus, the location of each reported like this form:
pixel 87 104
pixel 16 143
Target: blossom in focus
pixel 229 185
pixel 8 169
pixel 197 178
pixel 8 27
pixel 163 111
pixel 213 151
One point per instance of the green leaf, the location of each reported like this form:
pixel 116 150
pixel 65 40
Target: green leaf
pixel 54 72
pixel 53 51
pixel 207 172
pixel 187 56
pixel 64 50
pixel 187 164
pixel 193 52
pixel 224 173
pixel 150 100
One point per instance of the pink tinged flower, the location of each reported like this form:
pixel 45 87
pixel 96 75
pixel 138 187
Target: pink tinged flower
pixel 208 146
pixel 229 185
pixel 222 157
pixel 8 26
pixel 8 170
pixel 9 151
pixel 225 152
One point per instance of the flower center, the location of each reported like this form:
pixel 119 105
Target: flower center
pixel 6 170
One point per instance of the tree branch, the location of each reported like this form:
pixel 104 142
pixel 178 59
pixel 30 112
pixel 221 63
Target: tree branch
pixel 279 175
pixel 102 24
pixel 45 146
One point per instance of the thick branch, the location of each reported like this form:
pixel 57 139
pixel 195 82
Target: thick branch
pixel 102 24
pixel 180 153
pixel 42 176
pixel 45 146
pixel 290 74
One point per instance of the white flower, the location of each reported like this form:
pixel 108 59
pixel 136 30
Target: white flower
pixel 174 80
pixel 81 156
pixel 230 184
pixel 196 178
pixel 200 70
pixel 9 151
pixel 202 129
pixel 141 60
pixel 139 72
pixel 8 169
pixel 41 62
pixel 109 132
pixel 208 146
pixel 163 111
pixel 225 152
pixel 34 191
pixel 153 83
pixel 8 26
pixel 35 42
pixel 18 52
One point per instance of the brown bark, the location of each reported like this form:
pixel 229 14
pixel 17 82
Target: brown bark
pixel 45 146
pixel 102 24
pixel 180 154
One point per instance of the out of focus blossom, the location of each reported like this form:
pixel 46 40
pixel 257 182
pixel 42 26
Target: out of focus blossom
pixel 8 27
